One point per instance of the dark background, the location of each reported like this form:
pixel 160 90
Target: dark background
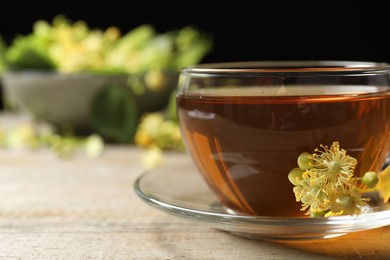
pixel 242 30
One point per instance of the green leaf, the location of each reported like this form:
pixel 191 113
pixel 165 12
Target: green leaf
pixel 3 48
pixel 114 114
pixel 28 52
pixel 172 107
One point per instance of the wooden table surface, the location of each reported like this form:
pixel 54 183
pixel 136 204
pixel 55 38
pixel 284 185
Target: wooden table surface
pixel 84 208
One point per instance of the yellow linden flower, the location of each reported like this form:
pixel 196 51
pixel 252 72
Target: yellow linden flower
pixel 335 163
pixel 312 192
pixel 346 201
pixel 327 184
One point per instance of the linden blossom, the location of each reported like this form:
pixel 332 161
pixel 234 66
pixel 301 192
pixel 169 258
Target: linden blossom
pixel 326 186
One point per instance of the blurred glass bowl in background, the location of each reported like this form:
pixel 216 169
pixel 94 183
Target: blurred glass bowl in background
pixel 85 103
pixel 96 80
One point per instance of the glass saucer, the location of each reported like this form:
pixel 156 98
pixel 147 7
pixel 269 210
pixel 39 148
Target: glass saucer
pixel 180 190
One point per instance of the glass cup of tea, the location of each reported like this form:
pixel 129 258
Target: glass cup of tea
pixel 246 123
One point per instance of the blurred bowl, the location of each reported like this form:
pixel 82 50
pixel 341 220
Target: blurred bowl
pixel 66 100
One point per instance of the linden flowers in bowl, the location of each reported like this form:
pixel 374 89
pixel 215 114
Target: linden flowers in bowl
pixel 92 80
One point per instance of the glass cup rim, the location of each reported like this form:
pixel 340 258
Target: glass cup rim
pixel 248 68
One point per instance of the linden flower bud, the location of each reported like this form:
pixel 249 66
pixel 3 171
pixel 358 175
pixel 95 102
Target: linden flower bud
pixel 155 80
pixel 94 146
pixel 318 214
pixel 153 158
pixel 304 161
pixel 295 176
pixel 370 179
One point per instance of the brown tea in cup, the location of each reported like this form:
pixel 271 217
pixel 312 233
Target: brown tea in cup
pixel 245 124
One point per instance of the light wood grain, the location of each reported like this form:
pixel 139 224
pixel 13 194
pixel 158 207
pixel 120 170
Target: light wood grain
pixel 83 208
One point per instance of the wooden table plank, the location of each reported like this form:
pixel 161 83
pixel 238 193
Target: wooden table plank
pixel 84 208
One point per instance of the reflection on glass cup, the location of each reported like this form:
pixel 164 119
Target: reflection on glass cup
pixel 245 124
